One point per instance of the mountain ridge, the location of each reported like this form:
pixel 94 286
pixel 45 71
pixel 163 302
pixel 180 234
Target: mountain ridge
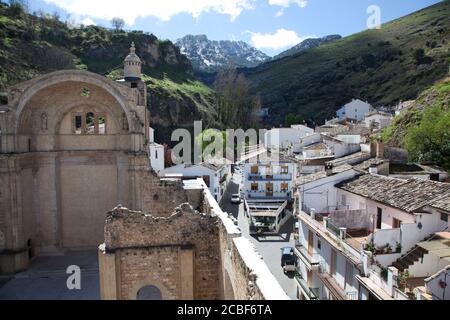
pixel 215 55
pixel 307 44
pixel 382 66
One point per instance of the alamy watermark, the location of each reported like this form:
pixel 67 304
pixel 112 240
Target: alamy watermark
pixel 74 280
pixel 230 145
pixel 374 19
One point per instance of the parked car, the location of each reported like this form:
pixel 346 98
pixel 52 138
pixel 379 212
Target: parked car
pixel 288 260
pixel 236 198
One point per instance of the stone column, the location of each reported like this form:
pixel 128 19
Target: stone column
pixel 107 273
pixel 187 272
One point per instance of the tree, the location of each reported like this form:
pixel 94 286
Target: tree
pixel 118 23
pixel 430 140
pixel 17 7
pixel 236 107
pixel 419 55
pixel 292 119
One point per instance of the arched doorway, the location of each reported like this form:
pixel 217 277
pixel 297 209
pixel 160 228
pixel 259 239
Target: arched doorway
pixel 149 293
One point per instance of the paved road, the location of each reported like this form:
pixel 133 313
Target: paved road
pixel 269 247
pixel 46 279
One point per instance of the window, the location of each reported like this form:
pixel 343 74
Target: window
pixel 444 217
pixel 255 187
pixel 78 124
pixel 254 170
pixel 101 125
pixel 284 169
pixel 343 200
pixel 319 244
pixel 379 218
pixel 396 224
pixel 284 187
pixel 89 123
pixel 156 154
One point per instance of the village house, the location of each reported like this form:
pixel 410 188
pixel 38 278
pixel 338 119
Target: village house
pixel 357 239
pixel 268 177
pixel 354 110
pixel 156 153
pixel 215 173
pixel 278 139
pixel 377 120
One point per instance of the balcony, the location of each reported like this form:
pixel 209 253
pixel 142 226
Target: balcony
pixel 311 260
pixel 270 177
pixel 311 293
pixel 267 195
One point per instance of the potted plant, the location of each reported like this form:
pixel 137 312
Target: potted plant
pixel 371 247
pixel 388 249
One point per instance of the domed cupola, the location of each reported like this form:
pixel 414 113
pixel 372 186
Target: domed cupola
pixel 132 65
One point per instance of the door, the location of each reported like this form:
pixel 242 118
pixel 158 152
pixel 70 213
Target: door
pixel 379 217
pixel 348 275
pixel 269 189
pixel 333 263
pixel 310 242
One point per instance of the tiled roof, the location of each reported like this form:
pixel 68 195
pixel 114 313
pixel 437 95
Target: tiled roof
pixel 368 163
pixel 407 195
pixel 322 174
pixel 442 203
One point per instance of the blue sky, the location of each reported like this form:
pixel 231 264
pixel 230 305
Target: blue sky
pixel 270 25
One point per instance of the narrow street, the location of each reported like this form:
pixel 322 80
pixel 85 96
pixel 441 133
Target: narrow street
pixel 269 247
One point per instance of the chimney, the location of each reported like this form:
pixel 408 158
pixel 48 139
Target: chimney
pixel 373 149
pixel 313 213
pixel 380 149
pixel 329 169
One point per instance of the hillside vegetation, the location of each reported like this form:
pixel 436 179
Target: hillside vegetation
pixel 33 45
pixel 424 128
pixel 382 66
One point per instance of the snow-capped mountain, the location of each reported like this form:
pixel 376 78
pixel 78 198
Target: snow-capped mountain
pixel 307 44
pixel 211 55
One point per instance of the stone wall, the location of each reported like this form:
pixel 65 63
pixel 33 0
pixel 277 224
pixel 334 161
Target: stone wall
pixel 186 255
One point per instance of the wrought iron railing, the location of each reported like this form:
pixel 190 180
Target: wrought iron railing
pixel 312 293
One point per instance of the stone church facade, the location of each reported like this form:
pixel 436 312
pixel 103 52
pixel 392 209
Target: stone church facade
pixel 72 146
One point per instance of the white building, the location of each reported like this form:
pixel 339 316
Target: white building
pixel 156 152
pixel 215 175
pixel 269 177
pixel 377 120
pixel 355 239
pixel 354 110
pixel 284 138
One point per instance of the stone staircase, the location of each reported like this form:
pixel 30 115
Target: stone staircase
pixel 410 258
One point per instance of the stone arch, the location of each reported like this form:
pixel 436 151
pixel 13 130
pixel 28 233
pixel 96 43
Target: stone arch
pixel 228 287
pixel 150 282
pixel 73 76
pixel 149 292
pixel 62 113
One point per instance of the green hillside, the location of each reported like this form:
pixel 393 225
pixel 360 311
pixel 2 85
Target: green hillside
pixel 31 46
pixel 424 128
pixel 381 66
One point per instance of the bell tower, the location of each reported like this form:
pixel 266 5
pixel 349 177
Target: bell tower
pixel 132 65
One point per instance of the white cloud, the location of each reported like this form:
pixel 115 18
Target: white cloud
pixel 288 3
pixel 280 39
pixel 280 13
pixel 88 22
pixel 163 10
